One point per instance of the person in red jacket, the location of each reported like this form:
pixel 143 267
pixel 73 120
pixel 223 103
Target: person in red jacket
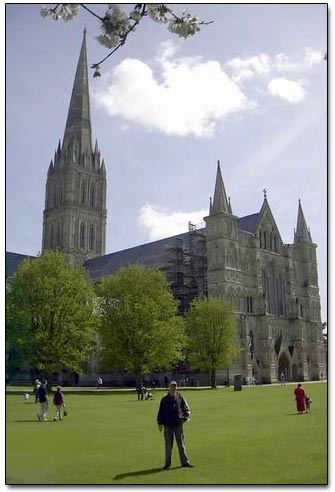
pixel 300 398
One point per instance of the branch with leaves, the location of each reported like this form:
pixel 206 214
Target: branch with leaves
pixel 117 24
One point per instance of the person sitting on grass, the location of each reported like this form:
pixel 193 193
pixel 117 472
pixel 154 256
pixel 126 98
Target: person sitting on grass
pixel 59 404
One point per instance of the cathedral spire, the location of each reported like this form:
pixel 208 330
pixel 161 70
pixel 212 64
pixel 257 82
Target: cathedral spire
pixel 220 202
pixel 78 125
pixel 302 233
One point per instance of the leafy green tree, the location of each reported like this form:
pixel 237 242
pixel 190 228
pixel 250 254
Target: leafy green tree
pixel 116 24
pixel 51 313
pixel 210 326
pixel 139 327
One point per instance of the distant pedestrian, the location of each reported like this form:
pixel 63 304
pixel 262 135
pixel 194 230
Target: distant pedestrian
pixel 139 391
pixel 173 412
pixel 43 399
pixel 58 401
pixel 300 398
pixel 99 382
pixel 36 385
pixel 282 379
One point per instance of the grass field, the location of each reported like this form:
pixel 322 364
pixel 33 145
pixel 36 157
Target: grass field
pixel 249 437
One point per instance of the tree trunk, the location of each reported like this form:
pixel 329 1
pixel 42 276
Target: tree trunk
pixel 212 376
pixel 138 377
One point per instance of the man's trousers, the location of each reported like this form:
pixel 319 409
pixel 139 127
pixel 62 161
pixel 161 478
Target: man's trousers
pixel 43 412
pixel 169 434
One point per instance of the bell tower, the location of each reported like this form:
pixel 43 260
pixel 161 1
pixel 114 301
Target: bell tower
pixel 74 217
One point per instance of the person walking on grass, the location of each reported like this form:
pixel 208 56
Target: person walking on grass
pixel 36 385
pixel 172 413
pixel 300 398
pixel 282 379
pixel 59 404
pixel 42 394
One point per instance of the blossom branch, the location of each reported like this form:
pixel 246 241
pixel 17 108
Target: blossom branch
pixel 116 25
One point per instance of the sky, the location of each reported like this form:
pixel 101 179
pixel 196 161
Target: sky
pixel 249 90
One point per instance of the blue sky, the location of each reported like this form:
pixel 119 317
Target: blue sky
pixel 249 89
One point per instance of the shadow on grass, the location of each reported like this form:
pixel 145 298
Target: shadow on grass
pixel 34 420
pixel 139 473
pixel 296 413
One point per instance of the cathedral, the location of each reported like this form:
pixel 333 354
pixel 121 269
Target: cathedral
pixel 272 286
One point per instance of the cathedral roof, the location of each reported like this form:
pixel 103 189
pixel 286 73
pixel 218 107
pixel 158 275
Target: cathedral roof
pixel 155 254
pixel 249 222
pixel 12 262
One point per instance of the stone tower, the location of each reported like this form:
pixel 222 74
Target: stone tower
pixel 74 218
pixel 272 287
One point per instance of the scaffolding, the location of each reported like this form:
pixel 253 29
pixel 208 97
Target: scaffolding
pixel 186 266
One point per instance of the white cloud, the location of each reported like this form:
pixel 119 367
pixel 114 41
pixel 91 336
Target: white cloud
pixel 247 68
pixel 312 57
pixel 161 223
pixel 289 90
pixel 191 96
pixel 263 65
pixel 188 97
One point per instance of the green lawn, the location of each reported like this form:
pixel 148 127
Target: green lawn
pixel 248 437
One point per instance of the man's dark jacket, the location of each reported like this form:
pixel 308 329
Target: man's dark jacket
pixel 42 393
pixel 173 410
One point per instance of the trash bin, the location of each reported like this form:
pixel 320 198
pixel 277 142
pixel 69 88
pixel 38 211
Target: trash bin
pixel 238 382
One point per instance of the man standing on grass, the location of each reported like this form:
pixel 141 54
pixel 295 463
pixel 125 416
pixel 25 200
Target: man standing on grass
pixel 173 412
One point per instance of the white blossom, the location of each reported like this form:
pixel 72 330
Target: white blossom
pixel 66 11
pixel 116 20
pixel 158 12
pixel 185 26
pixel 115 27
pixel 110 41
pixel 135 15
pixel 45 11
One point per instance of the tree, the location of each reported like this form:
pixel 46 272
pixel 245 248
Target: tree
pixel 210 326
pixel 139 327
pixel 51 313
pixel 116 24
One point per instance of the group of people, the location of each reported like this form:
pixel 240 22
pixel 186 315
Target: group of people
pixel 173 412
pixel 143 393
pixel 41 396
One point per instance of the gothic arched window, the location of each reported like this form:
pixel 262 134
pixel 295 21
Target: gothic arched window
pixel 82 235
pixel 264 240
pixel 275 245
pixel 92 197
pixel 83 192
pixel 91 238
pixel 59 234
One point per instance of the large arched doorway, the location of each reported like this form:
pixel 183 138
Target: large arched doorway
pixel 284 366
pixel 295 372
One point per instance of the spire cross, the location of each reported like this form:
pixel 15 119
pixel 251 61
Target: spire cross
pixel 265 192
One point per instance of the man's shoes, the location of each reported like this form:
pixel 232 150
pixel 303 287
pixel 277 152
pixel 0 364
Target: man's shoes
pixel 166 467
pixel 187 465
